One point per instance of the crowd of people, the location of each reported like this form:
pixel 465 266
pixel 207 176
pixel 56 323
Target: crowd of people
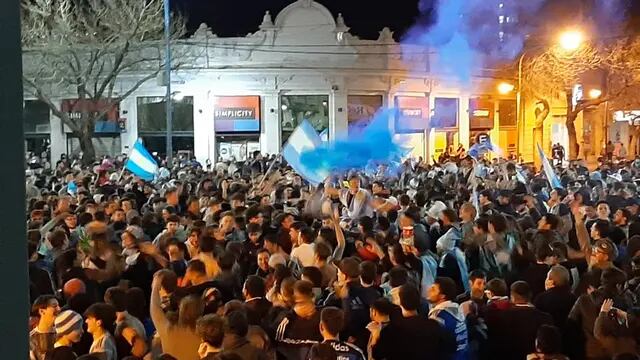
pixel 461 259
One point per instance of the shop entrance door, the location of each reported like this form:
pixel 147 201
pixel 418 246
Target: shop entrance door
pixel 238 148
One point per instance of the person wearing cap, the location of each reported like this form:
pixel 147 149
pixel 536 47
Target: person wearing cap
pixel 68 325
pixel 586 309
pixel 602 254
pixel 354 300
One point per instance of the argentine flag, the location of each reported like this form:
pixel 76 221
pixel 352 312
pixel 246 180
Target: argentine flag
pixel 553 179
pixel 141 163
pixel 304 138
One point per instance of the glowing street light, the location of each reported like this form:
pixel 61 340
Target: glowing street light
pixel 595 93
pixel 505 88
pixel 571 40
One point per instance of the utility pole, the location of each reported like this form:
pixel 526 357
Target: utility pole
pixel 167 72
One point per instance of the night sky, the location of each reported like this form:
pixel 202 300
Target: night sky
pixel 240 17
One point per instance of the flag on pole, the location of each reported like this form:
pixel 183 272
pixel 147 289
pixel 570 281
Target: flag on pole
pixel 553 179
pixel 520 176
pixel 141 163
pixel 304 138
pixel 476 202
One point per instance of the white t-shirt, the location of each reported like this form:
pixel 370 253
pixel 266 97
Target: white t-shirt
pixel 304 254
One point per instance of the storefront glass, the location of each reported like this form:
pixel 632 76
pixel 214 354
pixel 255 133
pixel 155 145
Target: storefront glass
pixel 152 123
pixel 152 115
pixel 445 113
pixel 238 148
pixel 296 108
pixel 36 117
pixel 362 109
pixel 412 115
pixel 104 145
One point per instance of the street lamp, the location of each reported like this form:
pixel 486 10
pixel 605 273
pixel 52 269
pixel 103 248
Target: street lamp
pixel 595 93
pixel 505 88
pixel 571 40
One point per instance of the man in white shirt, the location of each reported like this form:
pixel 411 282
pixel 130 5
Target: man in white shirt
pixel 304 253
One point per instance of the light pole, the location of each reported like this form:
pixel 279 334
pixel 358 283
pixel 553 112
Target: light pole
pixel 167 72
pixel 569 41
pixel 519 115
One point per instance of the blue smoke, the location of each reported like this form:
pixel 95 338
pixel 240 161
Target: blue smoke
pixel 374 144
pixel 471 34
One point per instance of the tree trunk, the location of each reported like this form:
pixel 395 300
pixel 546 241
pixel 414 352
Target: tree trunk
pixel 571 127
pixel 538 129
pixel 86 145
pixel 633 144
pixel 573 137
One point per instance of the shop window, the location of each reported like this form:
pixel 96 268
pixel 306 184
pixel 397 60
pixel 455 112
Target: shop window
pixel 412 114
pixel 152 115
pixel 445 113
pixel 106 145
pixel 296 108
pixel 158 144
pixel 36 117
pixel 507 115
pixel 362 109
pixel 480 114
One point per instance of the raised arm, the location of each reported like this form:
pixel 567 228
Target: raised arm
pixel 581 232
pixel 158 316
pixel 339 251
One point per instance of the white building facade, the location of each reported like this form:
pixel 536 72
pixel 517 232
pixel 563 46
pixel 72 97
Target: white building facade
pixel 233 96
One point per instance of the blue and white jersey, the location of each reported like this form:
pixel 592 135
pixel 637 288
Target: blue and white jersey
pixel 450 316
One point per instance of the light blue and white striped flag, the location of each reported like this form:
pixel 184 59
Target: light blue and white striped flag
pixel 141 163
pixel 553 179
pixel 303 138
pixel 476 202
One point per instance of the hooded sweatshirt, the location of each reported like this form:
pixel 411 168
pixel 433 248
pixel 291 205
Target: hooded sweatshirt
pixel 450 316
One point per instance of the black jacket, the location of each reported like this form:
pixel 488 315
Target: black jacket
pixel 417 337
pixel 512 332
pixel 356 311
pixel 257 310
pixel 556 302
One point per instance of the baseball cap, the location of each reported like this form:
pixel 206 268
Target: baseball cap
pixel 350 267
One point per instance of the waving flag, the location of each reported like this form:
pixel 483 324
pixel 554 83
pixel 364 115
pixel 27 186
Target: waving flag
pixel 141 163
pixel 304 138
pixel 553 179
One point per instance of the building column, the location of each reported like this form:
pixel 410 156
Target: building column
pixel 495 132
pixel 338 115
pixel 129 112
pixel 270 136
pixel 57 136
pixel 204 135
pixel 463 121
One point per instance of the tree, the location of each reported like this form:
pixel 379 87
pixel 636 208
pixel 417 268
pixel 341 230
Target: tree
pixel 554 72
pixel 82 49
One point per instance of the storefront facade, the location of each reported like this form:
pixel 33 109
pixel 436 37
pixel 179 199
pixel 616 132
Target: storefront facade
pixel 234 96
